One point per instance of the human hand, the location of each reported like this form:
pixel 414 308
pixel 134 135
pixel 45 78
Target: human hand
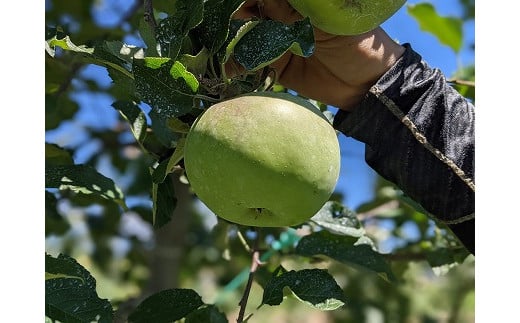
pixel 342 68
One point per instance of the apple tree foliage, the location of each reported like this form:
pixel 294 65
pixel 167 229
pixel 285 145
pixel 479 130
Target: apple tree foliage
pixel 117 201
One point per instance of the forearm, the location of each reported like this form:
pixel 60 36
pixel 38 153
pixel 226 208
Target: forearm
pixel 419 134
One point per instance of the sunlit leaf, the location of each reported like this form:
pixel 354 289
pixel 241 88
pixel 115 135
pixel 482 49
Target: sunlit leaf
pixel 70 293
pixel 166 306
pixel 448 30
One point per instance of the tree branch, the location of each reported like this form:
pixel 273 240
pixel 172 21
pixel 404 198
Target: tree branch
pixel 255 262
pixel 148 14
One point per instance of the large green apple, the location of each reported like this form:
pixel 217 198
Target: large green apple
pixel 347 17
pixel 262 160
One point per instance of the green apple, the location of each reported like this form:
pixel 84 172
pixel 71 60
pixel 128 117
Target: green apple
pixel 262 160
pixel 347 17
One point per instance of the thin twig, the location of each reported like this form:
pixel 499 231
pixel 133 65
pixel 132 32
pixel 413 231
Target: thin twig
pixel 243 302
pixel 255 262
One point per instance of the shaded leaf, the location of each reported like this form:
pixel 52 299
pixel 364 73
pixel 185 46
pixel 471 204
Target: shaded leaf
pixel 166 94
pixel 214 29
pixel 70 293
pixel 135 117
pixel 443 259
pixel 196 64
pixel 166 306
pixel 148 36
pixel 54 222
pixel 237 30
pixel 207 314
pixel 315 287
pixel 162 131
pixel 55 155
pixel 338 219
pixel 270 39
pixel 164 202
pixel 82 179
pixel 171 31
pixel 178 126
pixel 448 30
pixel 347 250
pixel 167 166
pixel 58 109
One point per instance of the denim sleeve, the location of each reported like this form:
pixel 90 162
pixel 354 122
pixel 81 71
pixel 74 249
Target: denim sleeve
pixel 419 134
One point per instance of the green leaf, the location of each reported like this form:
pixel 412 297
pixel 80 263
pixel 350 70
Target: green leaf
pixel 179 71
pixel 83 179
pixel 54 222
pixel 148 35
pixel 67 44
pixel 443 259
pixel 131 112
pixel 270 39
pixel 167 166
pixel 207 314
pixel 338 219
pixel 214 29
pixel 196 64
pixel 58 109
pixel 178 126
pixel 164 202
pixel 171 31
pixel 315 287
pixel 448 30
pixel 237 30
pixel 346 250
pixel 167 95
pixel 55 155
pixel 166 306
pixel 70 293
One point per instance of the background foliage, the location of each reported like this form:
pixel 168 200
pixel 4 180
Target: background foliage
pixel 127 226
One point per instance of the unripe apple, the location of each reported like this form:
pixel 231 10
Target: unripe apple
pixel 262 160
pixel 347 17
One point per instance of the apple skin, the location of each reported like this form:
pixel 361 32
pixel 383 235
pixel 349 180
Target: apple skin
pixel 347 17
pixel 262 161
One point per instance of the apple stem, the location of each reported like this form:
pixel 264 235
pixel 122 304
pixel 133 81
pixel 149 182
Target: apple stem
pixel 255 262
